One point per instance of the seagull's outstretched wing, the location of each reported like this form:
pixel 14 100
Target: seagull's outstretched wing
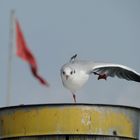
pixel 113 70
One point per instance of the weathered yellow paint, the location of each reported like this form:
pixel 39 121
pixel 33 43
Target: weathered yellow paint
pixel 64 120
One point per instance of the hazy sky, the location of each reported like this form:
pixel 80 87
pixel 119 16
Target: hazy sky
pixel 98 30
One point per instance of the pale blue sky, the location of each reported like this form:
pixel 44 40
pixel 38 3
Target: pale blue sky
pixel 98 30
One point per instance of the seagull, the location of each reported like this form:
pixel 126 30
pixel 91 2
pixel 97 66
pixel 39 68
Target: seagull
pixel 76 73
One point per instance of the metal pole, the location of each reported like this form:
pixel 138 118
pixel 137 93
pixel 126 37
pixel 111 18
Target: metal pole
pixel 11 46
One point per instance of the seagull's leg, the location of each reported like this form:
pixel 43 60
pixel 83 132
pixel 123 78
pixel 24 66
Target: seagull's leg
pixel 74 97
pixel 101 76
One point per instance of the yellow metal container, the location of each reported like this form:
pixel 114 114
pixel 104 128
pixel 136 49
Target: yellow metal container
pixel 69 121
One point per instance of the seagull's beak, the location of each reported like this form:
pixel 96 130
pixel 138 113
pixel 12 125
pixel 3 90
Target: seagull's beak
pixel 67 77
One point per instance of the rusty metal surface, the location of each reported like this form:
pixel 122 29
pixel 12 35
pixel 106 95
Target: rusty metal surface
pixel 72 119
pixel 67 137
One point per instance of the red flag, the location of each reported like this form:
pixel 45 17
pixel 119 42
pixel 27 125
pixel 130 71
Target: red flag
pixel 24 53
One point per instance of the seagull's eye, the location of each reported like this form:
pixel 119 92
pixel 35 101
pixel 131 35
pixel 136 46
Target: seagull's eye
pixel 63 73
pixel 71 72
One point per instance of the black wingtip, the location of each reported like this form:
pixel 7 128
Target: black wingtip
pixel 73 58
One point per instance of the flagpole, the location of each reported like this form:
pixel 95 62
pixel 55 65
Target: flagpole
pixel 10 57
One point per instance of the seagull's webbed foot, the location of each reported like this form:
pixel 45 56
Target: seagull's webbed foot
pixel 74 97
pixel 101 76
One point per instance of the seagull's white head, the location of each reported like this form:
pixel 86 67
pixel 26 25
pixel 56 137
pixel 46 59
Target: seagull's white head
pixel 67 72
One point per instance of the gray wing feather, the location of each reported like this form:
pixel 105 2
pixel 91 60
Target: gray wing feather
pixel 113 70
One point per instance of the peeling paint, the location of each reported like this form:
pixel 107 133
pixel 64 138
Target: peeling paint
pixel 88 120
